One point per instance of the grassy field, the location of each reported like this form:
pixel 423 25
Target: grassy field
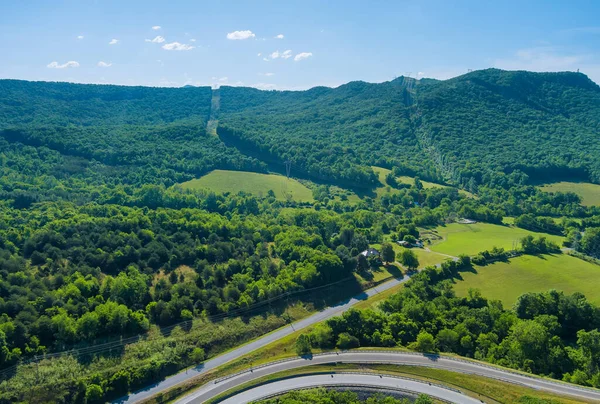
pixel 506 281
pixel 589 193
pixel 426 258
pixel 404 179
pixel 473 238
pixel 254 183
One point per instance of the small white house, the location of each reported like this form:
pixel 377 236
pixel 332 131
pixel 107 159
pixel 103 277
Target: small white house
pixel 403 243
pixel 370 252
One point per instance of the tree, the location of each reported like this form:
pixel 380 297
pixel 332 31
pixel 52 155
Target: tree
pixel 409 259
pixel 418 183
pixel 93 393
pixel 198 355
pixel 387 253
pixel 362 264
pixel 322 335
pixel 347 341
pixel 447 340
pixel 409 238
pixel 590 243
pixel 424 342
pixel 302 345
pixel 424 399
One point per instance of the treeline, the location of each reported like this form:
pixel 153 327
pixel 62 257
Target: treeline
pixel 323 396
pixel 46 104
pixel 547 333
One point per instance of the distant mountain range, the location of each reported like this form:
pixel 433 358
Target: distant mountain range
pixel 485 126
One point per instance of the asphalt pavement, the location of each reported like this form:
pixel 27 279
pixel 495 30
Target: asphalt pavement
pixel 351 380
pixel 218 387
pixel 329 312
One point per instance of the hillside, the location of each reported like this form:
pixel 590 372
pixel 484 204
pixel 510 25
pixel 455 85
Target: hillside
pixel 485 122
pixel 130 234
pixel 470 130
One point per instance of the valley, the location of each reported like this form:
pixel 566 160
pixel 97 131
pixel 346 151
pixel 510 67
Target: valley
pixel 149 232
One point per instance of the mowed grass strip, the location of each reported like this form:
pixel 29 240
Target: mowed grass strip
pixel 506 281
pixel 589 193
pixel 471 239
pixel 255 183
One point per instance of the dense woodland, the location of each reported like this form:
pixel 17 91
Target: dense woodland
pixel 464 130
pixel 98 243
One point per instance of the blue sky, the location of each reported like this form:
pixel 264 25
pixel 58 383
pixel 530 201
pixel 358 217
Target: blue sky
pixel 173 43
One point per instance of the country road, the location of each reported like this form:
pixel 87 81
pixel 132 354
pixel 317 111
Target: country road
pixel 329 312
pixel 212 390
pixel 359 381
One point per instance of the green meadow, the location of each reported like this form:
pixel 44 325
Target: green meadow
pixel 589 193
pixel 404 179
pixel 506 281
pixel 471 239
pixel 254 183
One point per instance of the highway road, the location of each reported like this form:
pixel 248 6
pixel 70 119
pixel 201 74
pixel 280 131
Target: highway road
pixel 256 344
pixel 380 382
pixel 218 387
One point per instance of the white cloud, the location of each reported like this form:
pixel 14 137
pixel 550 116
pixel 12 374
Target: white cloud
pixel 264 86
pixel 259 55
pixel 158 39
pixel 267 74
pixel 113 42
pixel 238 35
pixel 280 36
pixel 176 46
pixel 104 64
pixel 55 65
pixel 420 74
pixel 302 56
pixel 156 27
pixel 193 40
pixel 276 55
pixel 79 36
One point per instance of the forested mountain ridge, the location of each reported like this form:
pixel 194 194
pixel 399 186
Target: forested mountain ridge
pixel 543 124
pixel 483 127
pixel 25 103
pixel 480 124
pixel 78 135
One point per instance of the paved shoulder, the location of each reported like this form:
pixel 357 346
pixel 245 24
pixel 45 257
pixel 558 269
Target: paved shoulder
pixel 212 390
pixel 350 380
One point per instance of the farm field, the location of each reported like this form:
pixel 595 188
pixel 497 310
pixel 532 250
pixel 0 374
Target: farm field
pixel 506 281
pixel 589 193
pixel 382 172
pixel 473 238
pixel 254 183
pixel 426 258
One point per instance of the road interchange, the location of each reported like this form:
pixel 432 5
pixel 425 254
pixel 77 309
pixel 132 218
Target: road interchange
pixel 214 389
